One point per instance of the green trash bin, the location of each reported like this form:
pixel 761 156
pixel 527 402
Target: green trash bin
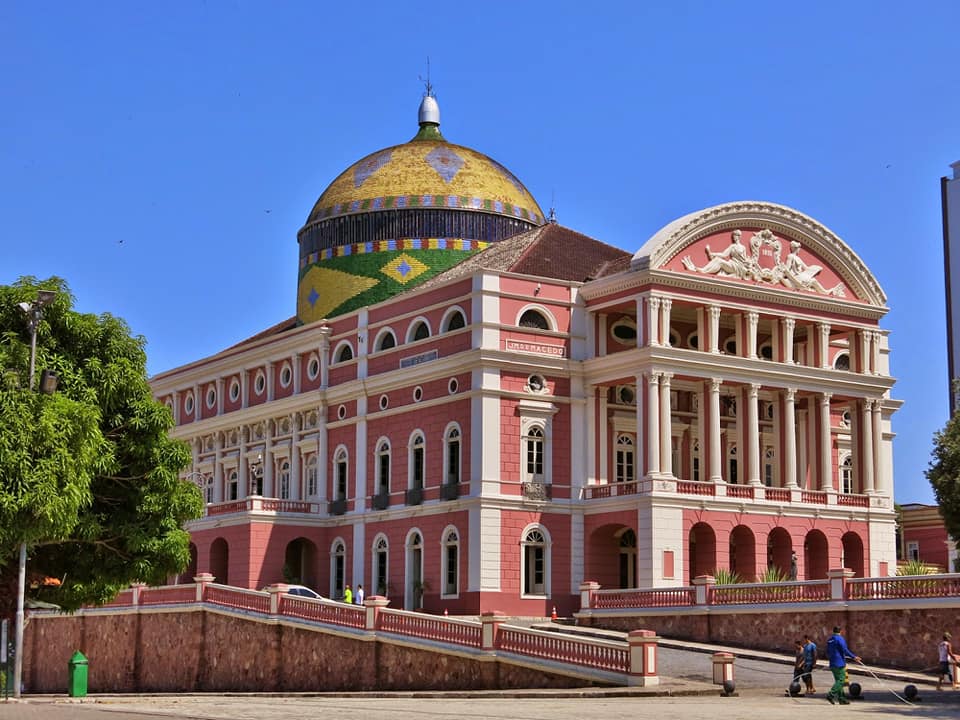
pixel 77 686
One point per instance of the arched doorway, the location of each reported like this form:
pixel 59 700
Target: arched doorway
pixel 701 551
pixel 779 550
pixel 853 553
pixel 300 562
pixel 743 553
pixel 628 559
pixel 816 556
pixel 603 556
pixel 413 596
pixel 220 561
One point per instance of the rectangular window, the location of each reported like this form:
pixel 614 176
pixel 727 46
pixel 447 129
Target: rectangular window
pixel 450 583
pixel 913 551
pixel 418 468
pixel 696 468
pixel 383 485
pixel 453 463
pixel 311 480
pixel 341 481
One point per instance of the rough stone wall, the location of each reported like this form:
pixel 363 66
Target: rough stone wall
pixel 186 651
pixel 898 638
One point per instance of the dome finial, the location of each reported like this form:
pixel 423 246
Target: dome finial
pixel 429 113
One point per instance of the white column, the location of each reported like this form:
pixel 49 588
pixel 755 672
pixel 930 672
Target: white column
pixel 666 430
pixel 788 325
pixel 753 320
pixel 653 423
pixel 323 454
pixel 325 332
pixel 665 304
pixel 714 329
pixel 219 396
pixel 824 335
pixel 242 469
pixel 640 458
pixel 591 444
pixel 640 328
pixel 875 354
pixel 789 439
pixel 866 436
pixel 826 454
pixel 864 337
pixel 244 388
pixel 753 435
pixel 198 403
pixel 880 483
pixel 296 475
pixel 268 462
pixel 653 324
pixel 218 493
pixel 803 449
pixel 295 362
pixel 271 390
pixel 715 474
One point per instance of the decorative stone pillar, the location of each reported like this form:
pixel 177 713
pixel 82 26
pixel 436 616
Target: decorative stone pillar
pixel 218 488
pixel 374 605
pixel 864 337
pixel 875 353
pixel 276 591
pixel 244 388
pixel 325 332
pixel 753 320
pixel 702 586
pixel 824 344
pixel 788 324
pixel 587 590
pixel 490 628
pixel 643 658
pixel 879 471
pixel 753 435
pixel 296 474
pixel 219 396
pixel 271 382
pixel 866 437
pixel 714 329
pixel 666 430
pixel 826 454
pixel 297 371
pixel 653 322
pixel 243 472
pixel 268 463
pixel 665 304
pixel 790 439
pixel 653 423
pixel 137 588
pixel 838 582
pixel 198 403
pixel 715 475
pixel 202 580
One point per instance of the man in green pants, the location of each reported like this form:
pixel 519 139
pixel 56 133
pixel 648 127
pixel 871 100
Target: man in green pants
pixel 837 654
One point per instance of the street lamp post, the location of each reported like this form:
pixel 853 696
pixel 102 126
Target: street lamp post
pixel 34 311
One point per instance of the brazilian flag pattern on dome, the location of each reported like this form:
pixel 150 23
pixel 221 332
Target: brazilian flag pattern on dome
pixel 345 278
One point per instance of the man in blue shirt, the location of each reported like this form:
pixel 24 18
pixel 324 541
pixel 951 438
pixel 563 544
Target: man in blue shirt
pixel 837 654
pixel 809 661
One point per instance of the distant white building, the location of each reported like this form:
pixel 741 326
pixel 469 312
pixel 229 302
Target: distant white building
pixel 950 195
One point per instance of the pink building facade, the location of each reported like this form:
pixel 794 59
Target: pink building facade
pixel 547 410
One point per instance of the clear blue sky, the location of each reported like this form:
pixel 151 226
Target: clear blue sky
pixel 162 156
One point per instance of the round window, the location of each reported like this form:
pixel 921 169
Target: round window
pixel 417 394
pixel 313 368
pixel 211 396
pixel 188 403
pixel 452 385
pixel 260 383
pixel 536 383
pixel 234 390
pixel 624 330
pixel 286 375
pixel 342 412
pixel 384 402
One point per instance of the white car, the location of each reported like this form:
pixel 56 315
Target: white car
pixel 304 591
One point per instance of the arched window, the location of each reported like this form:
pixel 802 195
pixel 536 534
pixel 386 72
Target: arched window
pixel 624 460
pixel 535 562
pixel 846 475
pixel 533 319
pixel 380 564
pixel 453 456
pixel 383 468
pixel 386 340
pixel 340 475
pixel 450 563
pixel 841 362
pixel 284 480
pixel 455 321
pixel 233 486
pixel 417 461
pixel 344 353
pixel 413 597
pixel 208 488
pixel 312 476
pixel 338 568
pixel 419 330
pixel 533 445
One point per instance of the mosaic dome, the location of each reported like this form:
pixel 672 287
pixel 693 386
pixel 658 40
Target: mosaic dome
pixel 403 214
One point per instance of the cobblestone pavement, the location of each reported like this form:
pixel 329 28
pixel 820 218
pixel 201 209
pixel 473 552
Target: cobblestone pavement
pixel 543 706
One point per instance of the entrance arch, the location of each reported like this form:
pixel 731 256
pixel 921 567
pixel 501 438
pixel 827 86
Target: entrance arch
pixel 816 556
pixel 604 557
pixel 743 553
pixel 300 562
pixel 853 553
pixel 701 551
pixel 220 561
pixel 779 549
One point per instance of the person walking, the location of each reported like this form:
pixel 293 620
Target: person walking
pixel 809 663
pixel 838 653
pixel 358 595
pixel 945 655
pixel 348 595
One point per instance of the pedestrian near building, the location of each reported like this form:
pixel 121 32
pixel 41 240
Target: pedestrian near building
pixel 348 595
pixel 809 663
pixel 945 655
pixel 793 566
pixel 358 595
pixel 838 653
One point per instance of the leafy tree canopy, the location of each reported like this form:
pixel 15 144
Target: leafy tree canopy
pixel 944 473
pixel 89 477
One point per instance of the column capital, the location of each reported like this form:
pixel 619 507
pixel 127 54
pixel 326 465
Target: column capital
pixel 790 394
pixel 754 389
pixel 789 322
pixel 654 301
pixel 714 311
pixel 825 398
pixel 666 303
pixel 715 384
pixel 753 316
pixel 665 378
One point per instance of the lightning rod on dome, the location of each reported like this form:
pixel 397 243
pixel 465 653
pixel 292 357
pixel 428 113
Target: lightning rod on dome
pixel 426 82
pixel 552 215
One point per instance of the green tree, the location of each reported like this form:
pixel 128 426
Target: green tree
pixel 944 473
pixel 89 477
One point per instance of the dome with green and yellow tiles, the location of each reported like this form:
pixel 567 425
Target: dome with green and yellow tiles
pixel 400 216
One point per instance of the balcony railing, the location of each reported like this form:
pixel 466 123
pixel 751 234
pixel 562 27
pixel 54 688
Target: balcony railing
pixel 381 501
pixel 414 496
pixel 450 491
pixel 337 507
pixel 537 491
